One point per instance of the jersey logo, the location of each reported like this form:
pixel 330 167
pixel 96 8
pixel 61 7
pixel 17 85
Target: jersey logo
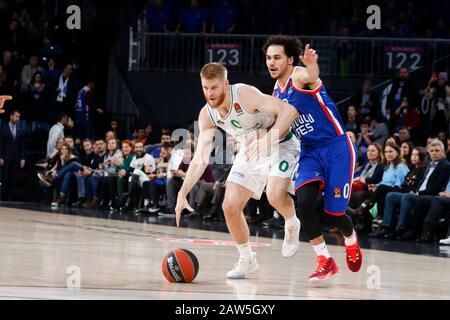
pixel 337 193
pixel 238 108
pixel 290 91
pixel 236 124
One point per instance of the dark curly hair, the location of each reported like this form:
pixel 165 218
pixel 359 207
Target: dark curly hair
pixel 292 46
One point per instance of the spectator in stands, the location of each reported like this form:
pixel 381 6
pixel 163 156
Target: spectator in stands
pixel 406 149
pixel 379 131
pixel 28 72
pixel 69 140
pixel 108 184
pixel 439 92
pixel 366 100
pixel 448 149
pixel 51 73
pixel 62 172
pixel 11 68
pixel 224 17
pixel 114 126
pixel 155 187
pixel 66 91
pixel 90 162
pixel 372 173
pixel 364 139
pixel 437 210
pixel 401 88
pixel 123 173
pixel 37 98
pixel 406 116
pixel 14 37
pixel 393 177
pixel 12 153
pixel 393 139
pixel 110 135
pixel 193 19
pixel 402 198
pixel 142 165
pixel 92 182
pixel 165 138
pixel 434 181
pixel 51 161
pixel 158 15
pixel 352 122
pixel 404 135
pixel 85 111
pixel 141 137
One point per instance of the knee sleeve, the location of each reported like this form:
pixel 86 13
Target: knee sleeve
pixel 342 223
pixel 306 208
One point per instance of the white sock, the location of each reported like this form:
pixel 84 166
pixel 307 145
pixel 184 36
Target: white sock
pixel 322 250
pixel 350 240
pixel 245 250
pixel 291 222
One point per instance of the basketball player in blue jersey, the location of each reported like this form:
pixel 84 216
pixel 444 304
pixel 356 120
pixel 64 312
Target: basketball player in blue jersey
pixel 327 157
pixel 265 122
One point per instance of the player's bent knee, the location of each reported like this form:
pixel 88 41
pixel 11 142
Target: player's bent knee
pixel 277 198
pixel 231 209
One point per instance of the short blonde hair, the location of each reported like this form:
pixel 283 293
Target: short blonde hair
pixel 214 70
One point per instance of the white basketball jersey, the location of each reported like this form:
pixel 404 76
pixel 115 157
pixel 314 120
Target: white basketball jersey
pixel 239 122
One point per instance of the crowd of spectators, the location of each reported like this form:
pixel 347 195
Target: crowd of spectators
pixel 347 18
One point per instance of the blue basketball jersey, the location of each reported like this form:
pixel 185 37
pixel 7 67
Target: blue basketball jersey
pixel 319 119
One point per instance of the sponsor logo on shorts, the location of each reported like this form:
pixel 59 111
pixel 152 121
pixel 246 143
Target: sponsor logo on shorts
pixel 337 193
pixel 239 174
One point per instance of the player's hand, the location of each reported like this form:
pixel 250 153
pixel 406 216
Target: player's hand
pixel 182 204
pixel 309 56
pixel 2 102
pixel 257 145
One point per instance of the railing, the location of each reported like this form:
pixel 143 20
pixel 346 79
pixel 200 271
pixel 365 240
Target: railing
pixel 377 57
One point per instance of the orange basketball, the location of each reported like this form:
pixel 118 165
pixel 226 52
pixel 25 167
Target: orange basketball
pixel 180 265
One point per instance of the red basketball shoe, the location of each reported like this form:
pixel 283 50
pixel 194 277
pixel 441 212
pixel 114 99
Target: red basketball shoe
pixel 326 269
pixel 353 256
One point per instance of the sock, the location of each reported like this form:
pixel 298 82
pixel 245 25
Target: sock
pixel 245 250
pixel 322 250
pixel 350 240
pixel 291 222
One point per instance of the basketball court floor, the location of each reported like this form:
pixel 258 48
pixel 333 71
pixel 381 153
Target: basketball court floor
pixel 64 255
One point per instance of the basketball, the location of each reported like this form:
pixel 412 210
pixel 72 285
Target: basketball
pixel 180 265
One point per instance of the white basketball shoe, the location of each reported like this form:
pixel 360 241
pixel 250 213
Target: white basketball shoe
pixel 291 240
pixel 243 268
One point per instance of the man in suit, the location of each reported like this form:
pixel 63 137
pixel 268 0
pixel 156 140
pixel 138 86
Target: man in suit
pixel 12 152
pixel 434 181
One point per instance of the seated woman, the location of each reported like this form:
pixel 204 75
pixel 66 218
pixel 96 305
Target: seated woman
pixel 394 199
pixel 372 173
pixel 108 184
pixel 406 150
pixel 63 170
pixel 393 178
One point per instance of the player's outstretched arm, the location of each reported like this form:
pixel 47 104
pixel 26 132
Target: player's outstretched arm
pixel 2 102
pixel 284 113
pixel 309 74
pixel 198 164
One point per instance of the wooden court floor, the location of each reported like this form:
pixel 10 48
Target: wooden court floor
pixel 59 256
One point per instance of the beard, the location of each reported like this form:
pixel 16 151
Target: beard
pixel 218 102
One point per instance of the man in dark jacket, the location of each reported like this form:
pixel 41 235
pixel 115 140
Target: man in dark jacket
pixel 12 152
pixel 434 181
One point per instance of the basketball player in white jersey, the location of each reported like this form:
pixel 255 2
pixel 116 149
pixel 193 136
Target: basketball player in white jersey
pixel 243 111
